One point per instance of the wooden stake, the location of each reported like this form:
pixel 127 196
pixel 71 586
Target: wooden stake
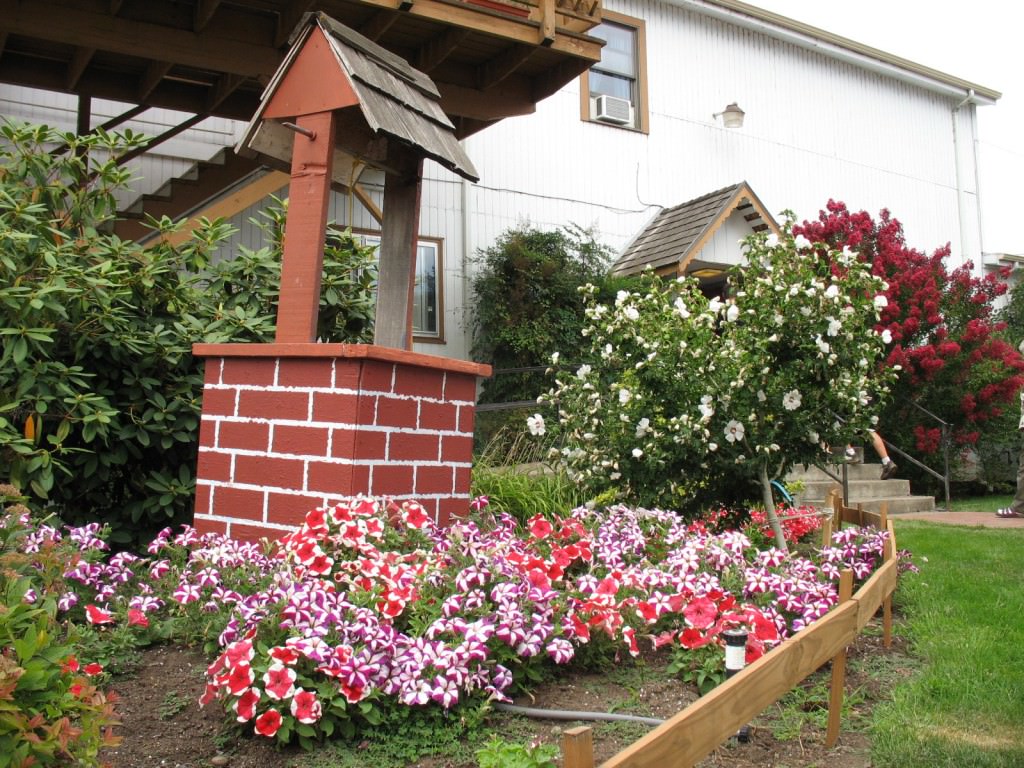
pixel 890 554
pixel 578 748
pixel 835 699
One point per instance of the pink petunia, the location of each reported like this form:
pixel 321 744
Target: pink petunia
pixel 700 613
pixel 245 705
pixel 268 723
pixel 353 693
pixel 97 616
pixel 240 678
pixel 279 681
pixel 415 516
pixel 540 528
pixel 306 707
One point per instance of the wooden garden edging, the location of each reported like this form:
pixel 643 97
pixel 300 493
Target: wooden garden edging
pixel 695 732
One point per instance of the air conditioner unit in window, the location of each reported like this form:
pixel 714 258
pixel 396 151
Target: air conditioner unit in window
pixel 610 109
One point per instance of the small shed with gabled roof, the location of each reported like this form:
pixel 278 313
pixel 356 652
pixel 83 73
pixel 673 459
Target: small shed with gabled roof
pixel 699 237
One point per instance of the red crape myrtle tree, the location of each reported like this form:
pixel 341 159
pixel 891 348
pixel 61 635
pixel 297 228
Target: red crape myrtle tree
pixel 943 333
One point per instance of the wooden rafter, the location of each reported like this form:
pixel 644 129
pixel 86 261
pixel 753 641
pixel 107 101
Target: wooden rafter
pixel 224 87
pixel 170 133
pixel 79 61
pixel 364 197
pixel 155 72
pixel 288 18
pixel 204 11
pixel 503 65
pixel 250 58
pixel 439 48
pixel 378 24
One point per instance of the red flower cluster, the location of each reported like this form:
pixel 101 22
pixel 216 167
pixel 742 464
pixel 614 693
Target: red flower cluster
pixel 941 323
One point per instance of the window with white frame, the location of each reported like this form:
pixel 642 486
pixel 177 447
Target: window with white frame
pixel 614 91
pixel 426 298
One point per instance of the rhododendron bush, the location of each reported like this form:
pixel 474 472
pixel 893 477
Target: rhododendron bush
pixel 940 330
pixel 370 607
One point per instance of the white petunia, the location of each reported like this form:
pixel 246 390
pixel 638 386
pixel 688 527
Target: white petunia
pixel 535 424
pixel 791 400
pixel 734 431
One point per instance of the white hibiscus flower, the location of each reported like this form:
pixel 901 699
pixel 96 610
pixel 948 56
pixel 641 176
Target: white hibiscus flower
pixel 734 431
pixel 791 400
pixel 535 424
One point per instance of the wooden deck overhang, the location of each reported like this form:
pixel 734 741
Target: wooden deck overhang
pixel 490 59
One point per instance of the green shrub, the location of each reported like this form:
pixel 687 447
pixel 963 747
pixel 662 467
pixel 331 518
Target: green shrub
pixel 50 712
pixel 100 396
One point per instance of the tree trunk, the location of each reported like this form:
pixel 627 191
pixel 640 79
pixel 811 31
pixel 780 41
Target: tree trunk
pixel 769 508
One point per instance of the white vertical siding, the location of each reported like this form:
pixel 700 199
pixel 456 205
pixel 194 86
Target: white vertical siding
pixel 815 129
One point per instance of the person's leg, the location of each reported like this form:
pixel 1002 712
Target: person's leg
pixel 888 465
pixel 1017 507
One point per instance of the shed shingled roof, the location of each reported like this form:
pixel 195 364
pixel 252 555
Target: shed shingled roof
pixel 675 235
pixel 395 99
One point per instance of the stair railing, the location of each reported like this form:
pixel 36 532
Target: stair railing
pixel 946 430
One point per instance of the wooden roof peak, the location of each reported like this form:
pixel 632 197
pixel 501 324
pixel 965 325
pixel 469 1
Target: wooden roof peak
pixel 674 236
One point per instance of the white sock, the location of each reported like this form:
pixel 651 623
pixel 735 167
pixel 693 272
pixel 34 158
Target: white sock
pixel 886 461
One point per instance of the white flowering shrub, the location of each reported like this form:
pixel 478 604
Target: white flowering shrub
pixel 679 399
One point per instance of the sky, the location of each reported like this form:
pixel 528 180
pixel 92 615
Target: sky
pixel 979 41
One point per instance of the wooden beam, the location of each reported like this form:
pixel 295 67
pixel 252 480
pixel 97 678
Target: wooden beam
pixel 547 22
pixel 508 27
pixel 364 197
pixel 170 133
pixel 504 64
pixel 79 61
pixel 396 274
pixel 74 25
pixel 115 7
pixel 84 117
pixel 378 24
pixel 578 748
pixel 508 99
pixel 155 72
pixel 288 18
pixel 231 204
pixel 439 48
pixel 302 263
pixel 3 41
pixel 224 87
pixel 204 10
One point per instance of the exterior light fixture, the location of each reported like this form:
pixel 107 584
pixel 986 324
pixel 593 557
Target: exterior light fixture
pixel 707 273
pixel 732 116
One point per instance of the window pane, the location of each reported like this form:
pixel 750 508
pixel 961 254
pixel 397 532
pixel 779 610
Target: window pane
pixel 619 52
pixel 424 304
pixel 610 85
pixel 424 295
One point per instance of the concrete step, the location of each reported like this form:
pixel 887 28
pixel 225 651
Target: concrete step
pixel 817 490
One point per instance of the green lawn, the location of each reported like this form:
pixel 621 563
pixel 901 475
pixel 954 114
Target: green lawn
pixel 964 617
pixel 981 503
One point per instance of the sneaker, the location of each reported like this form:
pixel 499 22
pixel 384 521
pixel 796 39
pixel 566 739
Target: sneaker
pixel 888 470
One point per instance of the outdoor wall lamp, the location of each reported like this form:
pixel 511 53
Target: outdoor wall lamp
pixel 732 116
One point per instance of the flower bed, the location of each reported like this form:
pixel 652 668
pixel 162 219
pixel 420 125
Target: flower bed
pixel 369 608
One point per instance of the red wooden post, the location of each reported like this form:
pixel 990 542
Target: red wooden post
pixel 303 259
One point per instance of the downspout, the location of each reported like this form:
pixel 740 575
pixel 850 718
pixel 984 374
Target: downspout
pixel 959 182
pixel 464 200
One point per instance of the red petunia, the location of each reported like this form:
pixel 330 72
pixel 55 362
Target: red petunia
pixel 93 669
pixel 137 618
pixel 268 723
pixel 700 613
pixel 306 707
pixel 97 616
pixel 245 705
pixel 240 678
pixel 540 528
pixel 279 682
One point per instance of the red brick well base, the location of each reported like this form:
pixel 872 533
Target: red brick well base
pixel 290 427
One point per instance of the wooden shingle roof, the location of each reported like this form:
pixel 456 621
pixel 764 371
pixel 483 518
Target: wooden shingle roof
pixel 395 102
pixel 675 236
